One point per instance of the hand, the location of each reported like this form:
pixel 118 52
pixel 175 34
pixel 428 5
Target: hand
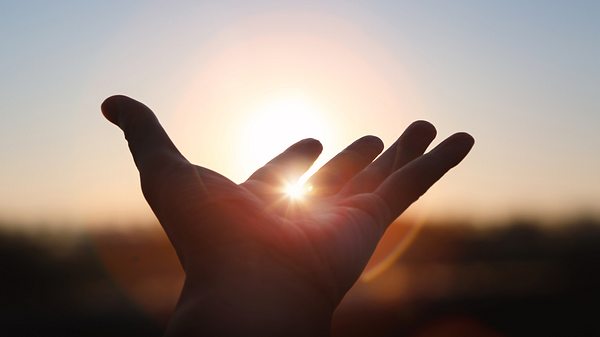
pixel 257 262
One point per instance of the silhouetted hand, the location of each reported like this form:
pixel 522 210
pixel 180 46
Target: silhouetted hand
pixel 257 262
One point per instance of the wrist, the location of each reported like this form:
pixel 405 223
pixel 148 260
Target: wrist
pixel 251 309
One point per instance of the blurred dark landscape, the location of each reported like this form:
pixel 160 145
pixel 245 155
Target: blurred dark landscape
pixel 517 279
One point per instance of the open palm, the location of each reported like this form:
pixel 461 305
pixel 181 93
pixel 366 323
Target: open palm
pixel 249 248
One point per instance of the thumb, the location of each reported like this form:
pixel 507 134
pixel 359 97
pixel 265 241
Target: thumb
pixel 149 144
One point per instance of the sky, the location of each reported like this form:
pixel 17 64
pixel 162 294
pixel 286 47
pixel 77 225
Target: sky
pixel 236 82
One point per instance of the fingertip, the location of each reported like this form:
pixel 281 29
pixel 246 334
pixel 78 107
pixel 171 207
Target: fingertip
pixel 455 148
pixel 463 140
pixel 112 107
pixel 311 144
pixel 465 137
pixel 423 128
pixel 375 142
pixel 124 111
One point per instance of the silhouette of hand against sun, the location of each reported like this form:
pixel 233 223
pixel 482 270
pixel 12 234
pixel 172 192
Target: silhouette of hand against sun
pixel 257 262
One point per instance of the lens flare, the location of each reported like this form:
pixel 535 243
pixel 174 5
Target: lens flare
pixel 297 190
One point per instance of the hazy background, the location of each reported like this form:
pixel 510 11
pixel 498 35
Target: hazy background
pixel 236 82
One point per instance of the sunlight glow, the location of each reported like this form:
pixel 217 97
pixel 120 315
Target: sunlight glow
pixel 297 190
pixel 278 121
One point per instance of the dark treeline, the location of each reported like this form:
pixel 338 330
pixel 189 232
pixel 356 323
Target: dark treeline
pixel 519 279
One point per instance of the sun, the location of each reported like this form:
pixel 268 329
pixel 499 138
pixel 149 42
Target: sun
pixel 297 190
pixel 276 122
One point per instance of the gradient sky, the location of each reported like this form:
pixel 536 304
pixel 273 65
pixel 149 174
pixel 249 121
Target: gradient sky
pixel 235 82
